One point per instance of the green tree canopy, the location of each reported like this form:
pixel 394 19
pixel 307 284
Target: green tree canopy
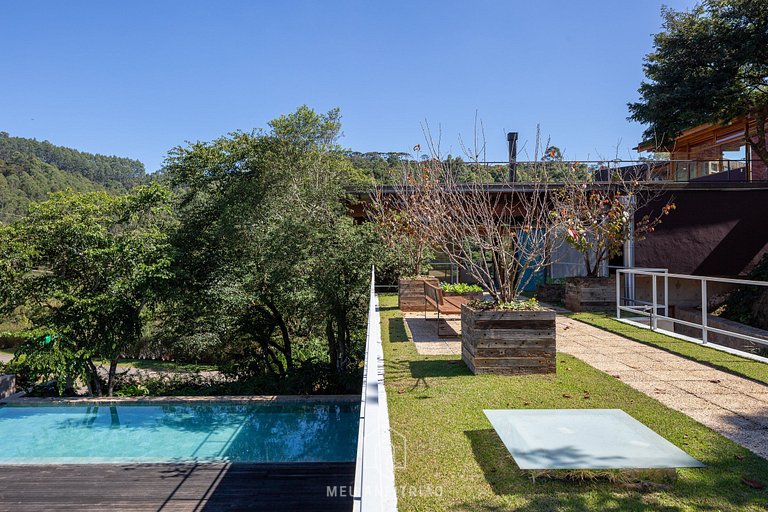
pixel 261 274
pixel 113 172
pixel 87 267
pixel 709 65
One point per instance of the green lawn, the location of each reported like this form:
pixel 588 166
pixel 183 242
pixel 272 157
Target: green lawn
pixel 435 404
pixel 715 358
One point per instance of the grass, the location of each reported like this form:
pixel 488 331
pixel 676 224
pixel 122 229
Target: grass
pixel 721 360
pixel 146 364
pixel 455 461
pixel 162 366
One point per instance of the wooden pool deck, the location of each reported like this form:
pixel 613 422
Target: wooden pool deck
pixel 177 487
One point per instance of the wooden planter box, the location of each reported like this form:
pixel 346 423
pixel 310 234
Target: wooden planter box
pixel 553 293
pixel 410 294
pixel 508 342
pixel 590 294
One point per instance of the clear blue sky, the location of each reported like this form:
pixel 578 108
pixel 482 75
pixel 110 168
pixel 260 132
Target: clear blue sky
pixel 137 78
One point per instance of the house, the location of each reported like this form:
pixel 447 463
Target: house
pixel 720 188
pixel 711 152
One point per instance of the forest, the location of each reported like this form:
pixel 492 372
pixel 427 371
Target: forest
pixel 31 169
pixel 239 256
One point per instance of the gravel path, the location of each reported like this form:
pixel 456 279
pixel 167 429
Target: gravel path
pixel 734 406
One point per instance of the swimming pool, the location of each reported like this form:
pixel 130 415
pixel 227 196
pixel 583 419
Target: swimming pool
pixel 178 432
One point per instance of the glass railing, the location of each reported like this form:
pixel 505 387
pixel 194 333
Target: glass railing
pixel 723 170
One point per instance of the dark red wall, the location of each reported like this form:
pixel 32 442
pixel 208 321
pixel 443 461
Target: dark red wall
pixel 711 232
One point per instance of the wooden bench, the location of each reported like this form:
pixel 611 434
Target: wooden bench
pixel 438 302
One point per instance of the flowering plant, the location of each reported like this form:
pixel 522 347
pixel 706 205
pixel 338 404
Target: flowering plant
pixel 597 218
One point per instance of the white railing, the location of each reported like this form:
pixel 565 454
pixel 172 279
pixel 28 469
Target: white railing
pixel 651 310
pixel 374 469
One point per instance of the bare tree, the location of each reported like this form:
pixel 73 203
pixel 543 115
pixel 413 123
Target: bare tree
pixel 498 232
pixel 597 216
pixel 393 216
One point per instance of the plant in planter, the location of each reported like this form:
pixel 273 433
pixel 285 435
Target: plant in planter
pixel 514 338
pixel 552 291
pixel 597 219
pixel 500 236
pixel 458 294
pixel 472 291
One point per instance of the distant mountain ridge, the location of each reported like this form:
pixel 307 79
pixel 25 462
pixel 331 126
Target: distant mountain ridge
pixel 31 169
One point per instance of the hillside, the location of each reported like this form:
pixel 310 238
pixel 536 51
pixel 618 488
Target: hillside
pixel 31 169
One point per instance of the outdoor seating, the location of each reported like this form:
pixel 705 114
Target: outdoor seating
pixel 438 302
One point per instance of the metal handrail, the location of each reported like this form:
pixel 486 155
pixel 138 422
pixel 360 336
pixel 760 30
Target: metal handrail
pixel 654 316
pixel 667 170
pixel 374 488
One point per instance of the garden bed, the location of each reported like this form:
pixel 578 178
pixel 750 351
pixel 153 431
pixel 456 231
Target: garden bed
pixel 508 342
pixel 590 294
pixel 411 296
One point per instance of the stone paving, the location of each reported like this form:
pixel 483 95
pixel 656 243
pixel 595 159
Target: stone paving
pixel 733 406
pixel 423 332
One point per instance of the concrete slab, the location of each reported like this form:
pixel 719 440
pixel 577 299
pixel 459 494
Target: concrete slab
pixel 541 439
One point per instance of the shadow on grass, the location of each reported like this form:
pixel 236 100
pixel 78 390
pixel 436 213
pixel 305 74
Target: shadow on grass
pixel 572 502
pixel 505 478
pixel 397 332
pixel 498 466
pixel 438 368
pixel 716 487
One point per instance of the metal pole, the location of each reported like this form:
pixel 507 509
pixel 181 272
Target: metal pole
pixel 704 310
pixel 618 293
pixel 629 259
pixel 666 293
pixel 653 302
pixel 512 143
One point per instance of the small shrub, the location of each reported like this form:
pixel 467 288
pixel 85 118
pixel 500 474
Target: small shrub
pixel 26 378
pixel 516 305
pixel 460 288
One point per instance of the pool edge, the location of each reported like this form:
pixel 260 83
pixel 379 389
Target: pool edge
pixel 184 399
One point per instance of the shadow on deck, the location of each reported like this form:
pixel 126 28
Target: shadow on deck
pixel 177 487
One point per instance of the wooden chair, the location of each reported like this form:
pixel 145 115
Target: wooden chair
pixel 434 299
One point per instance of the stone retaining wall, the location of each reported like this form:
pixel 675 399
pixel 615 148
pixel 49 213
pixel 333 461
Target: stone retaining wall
pixel 7 385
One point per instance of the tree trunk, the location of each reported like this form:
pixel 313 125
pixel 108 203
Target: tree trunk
pixel 588 264
pixel 333 349
pixel 111 378
pixel 287 349
pixel 342 338
pixel 94 379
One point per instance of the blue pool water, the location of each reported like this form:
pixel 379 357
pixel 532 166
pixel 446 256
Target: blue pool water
pixel 178 432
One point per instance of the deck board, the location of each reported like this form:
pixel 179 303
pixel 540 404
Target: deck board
pixel 176 487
